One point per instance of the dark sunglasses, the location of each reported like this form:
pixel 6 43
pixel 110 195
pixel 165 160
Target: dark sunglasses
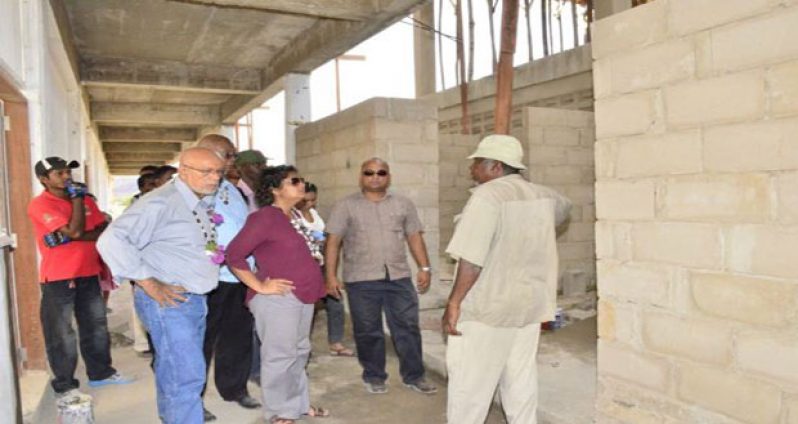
pixel 297 181
pixel 370 173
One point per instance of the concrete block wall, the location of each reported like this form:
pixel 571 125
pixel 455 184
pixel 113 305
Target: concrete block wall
pixel 559 154
pixel 402 132
pixel 558 145
pixel 697 172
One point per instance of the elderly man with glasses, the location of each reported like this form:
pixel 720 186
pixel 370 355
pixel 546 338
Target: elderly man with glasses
pixel 167 243
pixel 374 226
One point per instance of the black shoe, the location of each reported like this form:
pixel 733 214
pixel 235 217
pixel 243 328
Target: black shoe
pixel 208 415
pixel 248 402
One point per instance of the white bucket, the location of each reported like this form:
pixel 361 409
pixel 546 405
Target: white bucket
pixel 75 410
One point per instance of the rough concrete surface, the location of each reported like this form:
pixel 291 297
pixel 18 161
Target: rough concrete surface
pixel 335 384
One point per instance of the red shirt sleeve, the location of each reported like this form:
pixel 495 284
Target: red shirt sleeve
pixel 47 215
pixel 249 238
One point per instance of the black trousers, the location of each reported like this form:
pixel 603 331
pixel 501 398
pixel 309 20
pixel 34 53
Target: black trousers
pixel 82 298
pixel 228 338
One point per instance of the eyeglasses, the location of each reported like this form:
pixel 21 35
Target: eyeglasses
pixel 205 172
pixel 231 155
pixel 370 173
pixel 297 181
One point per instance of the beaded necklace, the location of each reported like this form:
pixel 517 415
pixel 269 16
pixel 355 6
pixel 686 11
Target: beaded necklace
pixel 212 248
pixel 313 239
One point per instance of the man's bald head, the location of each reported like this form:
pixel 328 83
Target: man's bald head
pixel 221 145
pixel 375 161
pixel 201 169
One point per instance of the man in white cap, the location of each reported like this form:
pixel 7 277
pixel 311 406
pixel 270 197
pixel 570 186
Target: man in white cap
pixel 505 285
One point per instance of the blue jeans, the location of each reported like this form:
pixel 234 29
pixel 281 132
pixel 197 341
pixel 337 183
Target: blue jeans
pixel 335 319
pixel 82 298
pixel 177 335
pixel 399 300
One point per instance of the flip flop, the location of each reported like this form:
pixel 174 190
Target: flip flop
pixel 278 420
pixel 318 412
pixel 343 352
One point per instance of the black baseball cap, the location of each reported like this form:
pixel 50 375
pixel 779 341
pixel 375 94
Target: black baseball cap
pixel 43 167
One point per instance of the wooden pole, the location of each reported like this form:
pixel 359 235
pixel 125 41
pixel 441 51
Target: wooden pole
pixel 504 81
pixel 465 124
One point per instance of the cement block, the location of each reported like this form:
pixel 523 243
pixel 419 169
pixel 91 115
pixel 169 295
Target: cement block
pixel 733 394
pixel 698 340
pixel 691 245
pixel 729 98
pixel 738 198
pixel 654 66
pixel 669 154
pixel 783 89
pixel 763 250
pixel 751 300
pixel 634 367
pixel 620 200
pixel 757 41
pixel 632 29
pixel 626 115
pixel 635 283
pixel 690 16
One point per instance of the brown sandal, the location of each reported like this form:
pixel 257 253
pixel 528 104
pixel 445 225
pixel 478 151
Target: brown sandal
pixel 342 351
pixel 318 412
pixel 278 420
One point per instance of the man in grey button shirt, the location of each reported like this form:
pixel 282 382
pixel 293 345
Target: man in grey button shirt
pixel 374 226
pixel 162 243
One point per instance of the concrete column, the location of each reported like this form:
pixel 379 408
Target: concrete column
pixel 424 51
pixel 606 8
pixel 297 110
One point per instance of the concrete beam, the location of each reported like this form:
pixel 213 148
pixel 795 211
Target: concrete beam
pixel 141 147
pixel 140 157
pixel 326 40
pixel 130 168
pixel 65 31
pixel 168 75
pixel 154 114
pixel 347 10
pixel 147 135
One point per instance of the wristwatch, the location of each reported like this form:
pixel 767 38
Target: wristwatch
pixel 425 268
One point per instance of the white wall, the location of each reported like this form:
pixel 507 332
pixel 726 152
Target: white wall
pixel 11 36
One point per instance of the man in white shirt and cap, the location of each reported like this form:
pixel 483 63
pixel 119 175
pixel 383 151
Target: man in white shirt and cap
pixel 505 286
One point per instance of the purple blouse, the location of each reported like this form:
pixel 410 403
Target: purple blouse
pixel 279 251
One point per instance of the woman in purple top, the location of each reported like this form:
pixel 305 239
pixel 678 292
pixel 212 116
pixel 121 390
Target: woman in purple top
pixel 282 292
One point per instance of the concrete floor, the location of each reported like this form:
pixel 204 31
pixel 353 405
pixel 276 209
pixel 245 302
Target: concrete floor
pixel 567 384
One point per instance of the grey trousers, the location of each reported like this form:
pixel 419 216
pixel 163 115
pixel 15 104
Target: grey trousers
pixel 283 325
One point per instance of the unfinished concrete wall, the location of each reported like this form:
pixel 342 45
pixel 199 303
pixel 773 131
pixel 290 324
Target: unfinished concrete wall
pixel 402 132
pixel 697 166
pixel 558 146
pixel 562 81
pixel 559 154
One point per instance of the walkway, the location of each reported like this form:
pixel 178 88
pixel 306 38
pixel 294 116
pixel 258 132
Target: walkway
pixel 335 384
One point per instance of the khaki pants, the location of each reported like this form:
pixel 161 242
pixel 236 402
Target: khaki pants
pixel 485 357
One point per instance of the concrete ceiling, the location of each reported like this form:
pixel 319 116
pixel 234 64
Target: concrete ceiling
pixel 155 72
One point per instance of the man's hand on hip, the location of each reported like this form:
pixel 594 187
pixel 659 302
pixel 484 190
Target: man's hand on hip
pixel 164 294
pixel 449 320
pixel 423 279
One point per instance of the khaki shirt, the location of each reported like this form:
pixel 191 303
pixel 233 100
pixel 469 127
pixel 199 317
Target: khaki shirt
pixel 508 229
pixel 374 235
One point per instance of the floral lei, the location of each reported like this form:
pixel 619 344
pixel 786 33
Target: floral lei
pixel 314 239
pixel 213 249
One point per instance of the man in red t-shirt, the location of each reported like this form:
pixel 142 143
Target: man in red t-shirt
pixel 67 224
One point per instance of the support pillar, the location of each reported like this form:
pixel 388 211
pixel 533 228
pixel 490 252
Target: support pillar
pixel 297 110
pixel 424 50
